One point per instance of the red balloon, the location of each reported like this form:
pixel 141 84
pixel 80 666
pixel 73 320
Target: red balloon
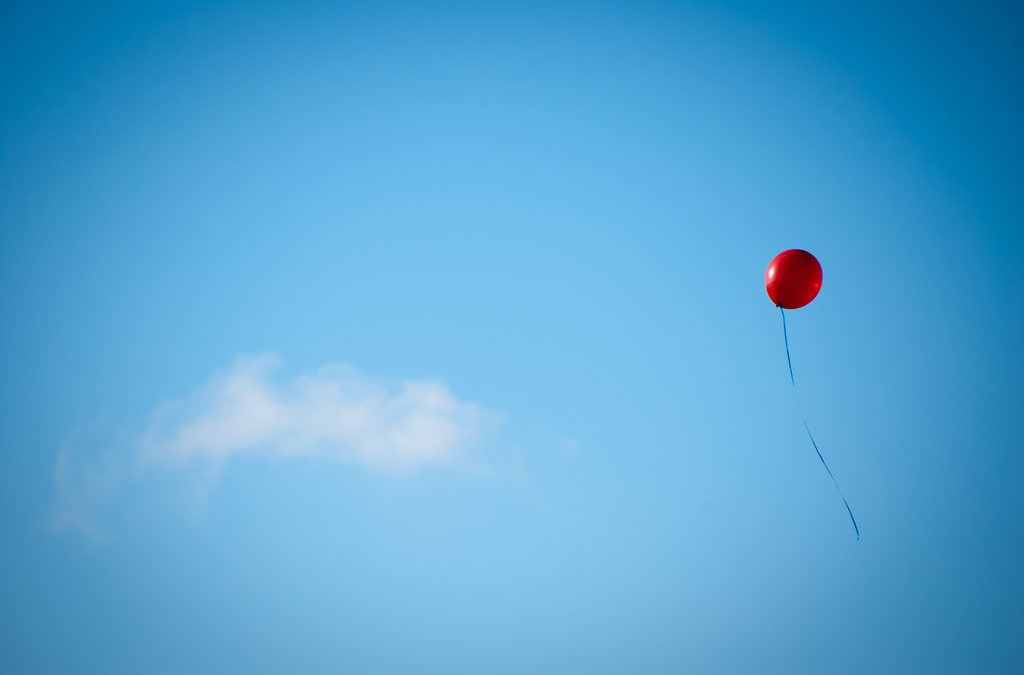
pixel 793 278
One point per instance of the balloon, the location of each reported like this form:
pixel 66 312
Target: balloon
pixel 793 278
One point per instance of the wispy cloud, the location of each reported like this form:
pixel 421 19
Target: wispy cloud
pixel 91 465
pixel 334 413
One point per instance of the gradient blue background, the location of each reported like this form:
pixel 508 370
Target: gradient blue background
pixel 564 211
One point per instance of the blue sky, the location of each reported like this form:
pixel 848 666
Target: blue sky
pixel 432 338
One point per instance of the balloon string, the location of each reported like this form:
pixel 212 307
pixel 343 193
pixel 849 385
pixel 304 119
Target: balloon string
pixel 796 394
pixel 789 361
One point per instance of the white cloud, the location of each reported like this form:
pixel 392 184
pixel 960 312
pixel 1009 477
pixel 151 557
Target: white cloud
pixel 335 413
